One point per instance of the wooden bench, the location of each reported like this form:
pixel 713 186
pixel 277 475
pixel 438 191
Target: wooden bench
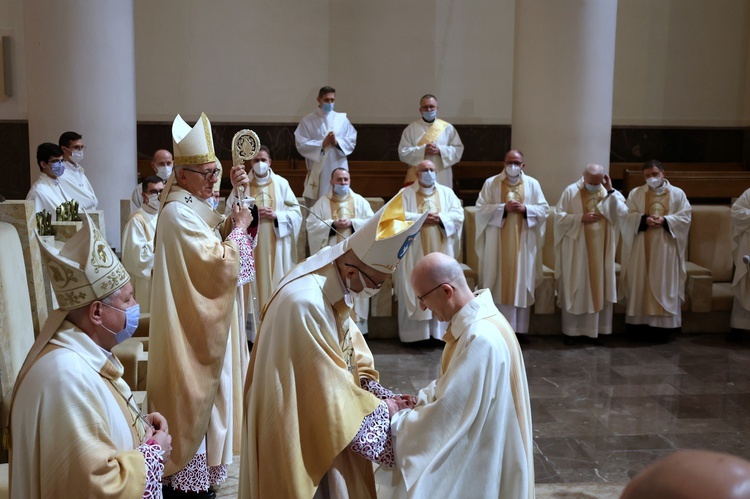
pixel 617 170
pixel 706 187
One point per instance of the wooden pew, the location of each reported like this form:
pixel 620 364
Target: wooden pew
pixel 617 170
pixel 704 187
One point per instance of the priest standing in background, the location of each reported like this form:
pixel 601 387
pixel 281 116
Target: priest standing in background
pixel 324 138
pixel 511 217
pixel 654 246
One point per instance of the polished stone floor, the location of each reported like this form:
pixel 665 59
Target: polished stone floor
pixel 603 413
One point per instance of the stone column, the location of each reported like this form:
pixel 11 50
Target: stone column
pixel 80 57
pixel 562 88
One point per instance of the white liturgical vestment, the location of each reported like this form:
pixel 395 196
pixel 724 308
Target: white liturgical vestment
pixel 321 162
pixel 509 244
pixel 138 252
pixel 77 185
pixel 653 274
pixel 47 194
pixel 411 151
pixel 470 433
pixel 741 247
pixel 415 324
pixel 585 258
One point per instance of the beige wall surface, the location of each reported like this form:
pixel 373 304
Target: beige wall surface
pixel 678 62
pixel 682 62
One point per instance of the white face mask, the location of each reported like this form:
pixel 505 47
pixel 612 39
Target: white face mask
pixel 341 190
pixel 76 156
pixel 591 187
pixel 153 201
pixel 427 178
pixel 513 171
pixel 261 168
pixel 654 182
pixel 368 292
pixel 164 172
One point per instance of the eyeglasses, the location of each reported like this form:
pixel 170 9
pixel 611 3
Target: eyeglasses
pixel 155 191
pixel 421 298
pixel 206 175
pixel 375 285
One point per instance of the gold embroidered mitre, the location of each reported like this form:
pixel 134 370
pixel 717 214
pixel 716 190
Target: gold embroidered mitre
pixel 192 146
pixel 383 240
pixel 85 269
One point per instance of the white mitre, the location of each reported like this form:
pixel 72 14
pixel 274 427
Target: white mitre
pixel 85 269
pixel 192 146
pixel 382 241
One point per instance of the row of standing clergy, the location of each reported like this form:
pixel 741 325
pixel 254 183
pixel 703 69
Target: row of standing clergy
pixel 511 217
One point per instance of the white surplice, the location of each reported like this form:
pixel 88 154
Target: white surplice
pixel 47 194
pixel 319 236
pixel 663 271
pixel 415 324
pixel 449 143
pixel 490 218
pixel 470 434
pixel 574 297
pixel 138 252
pixel 77 185
pixel 309 137
pixel 741 247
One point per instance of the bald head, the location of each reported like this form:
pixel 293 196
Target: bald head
pixel 593 174
pixel 425 165
pixel 692 474
pixel 440 281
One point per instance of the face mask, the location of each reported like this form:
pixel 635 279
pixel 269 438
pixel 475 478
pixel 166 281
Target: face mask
pixel 512 170
pixel 341 190
pixel 213 203
pixel 368 292
pixel 327 107
pixel 427 178
pixel 261 168
pixel 76 156
pixel 132 314
pixel 164 172
pixel 654 182
pixel 429 115
pixel 58 168
pixel 153 201
pixel 592 188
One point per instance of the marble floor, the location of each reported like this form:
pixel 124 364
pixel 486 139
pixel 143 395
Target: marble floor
pixel 603 413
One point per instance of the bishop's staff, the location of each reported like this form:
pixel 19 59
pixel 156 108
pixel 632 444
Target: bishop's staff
pixel 245 146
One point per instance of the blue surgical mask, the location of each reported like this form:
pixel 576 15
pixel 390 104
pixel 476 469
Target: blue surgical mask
pixel 429 115
pixel 327 107
pixel 58 168
pixel 592 188
pixel 213 203
pixel 427 178
pixel 341 190
pixel 132 315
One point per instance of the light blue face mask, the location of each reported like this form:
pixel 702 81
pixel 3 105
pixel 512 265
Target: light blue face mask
pixel 341 190
pixel 58 168
pixel 429 115
pixel 427 178
pixel 327 107
pixel 592 188
pixel 132 315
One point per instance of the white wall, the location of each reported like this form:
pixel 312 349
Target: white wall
pixel 682 62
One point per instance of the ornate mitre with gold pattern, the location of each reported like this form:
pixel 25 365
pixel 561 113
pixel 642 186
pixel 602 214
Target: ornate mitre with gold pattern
pixel 383 240
pixel 85 269
pixel 192 146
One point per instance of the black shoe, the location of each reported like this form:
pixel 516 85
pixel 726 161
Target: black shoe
pixel 597 341
pixel 523 339
pixel 569 340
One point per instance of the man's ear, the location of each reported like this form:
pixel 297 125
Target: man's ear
pixel 95 312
